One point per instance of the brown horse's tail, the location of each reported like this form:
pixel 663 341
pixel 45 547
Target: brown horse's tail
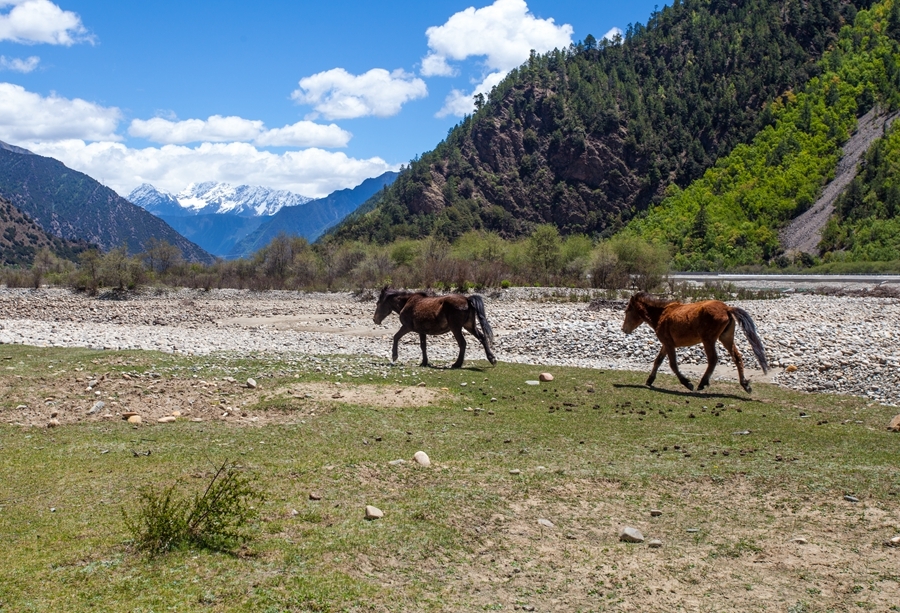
pixel 749 327
pixel 477 303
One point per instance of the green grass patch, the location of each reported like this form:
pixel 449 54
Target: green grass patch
pixel 593 449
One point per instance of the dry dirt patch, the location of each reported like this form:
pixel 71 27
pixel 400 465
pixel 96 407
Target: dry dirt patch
pixel 70 398
pixel 387 396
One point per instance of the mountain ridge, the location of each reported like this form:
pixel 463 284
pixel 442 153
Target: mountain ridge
pixel 71 205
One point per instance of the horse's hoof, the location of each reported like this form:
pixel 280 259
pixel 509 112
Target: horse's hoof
pixel 493 361
pixel 702 387
pixel 689 385
pixel 456 366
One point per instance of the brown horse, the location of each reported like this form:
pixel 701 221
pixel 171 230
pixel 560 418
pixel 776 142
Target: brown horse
pixel 426 314
pixel 683 325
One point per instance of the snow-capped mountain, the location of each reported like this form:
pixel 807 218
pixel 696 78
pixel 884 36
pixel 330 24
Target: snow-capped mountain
pixel 211 197
pixel 155 201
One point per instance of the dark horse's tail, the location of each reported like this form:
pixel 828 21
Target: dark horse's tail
pixel 750 330
pixel 477 303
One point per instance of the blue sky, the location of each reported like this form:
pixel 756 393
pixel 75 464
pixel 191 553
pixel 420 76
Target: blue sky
pixel 305 96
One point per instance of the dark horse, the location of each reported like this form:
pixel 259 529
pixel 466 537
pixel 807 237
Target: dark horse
pixel 427 314
pixel 683 325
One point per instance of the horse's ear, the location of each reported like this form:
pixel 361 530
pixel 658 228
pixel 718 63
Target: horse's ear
pixel 383 293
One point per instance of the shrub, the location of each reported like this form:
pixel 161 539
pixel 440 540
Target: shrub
pixel 215 519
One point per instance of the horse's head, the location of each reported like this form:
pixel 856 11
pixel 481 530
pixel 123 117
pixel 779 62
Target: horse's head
pixel 633 316
pixel 384 306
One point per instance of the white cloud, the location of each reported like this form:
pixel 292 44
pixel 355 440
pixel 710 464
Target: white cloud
pixel 337 94
pixel 28 116
pixel 504 33
pixel 436 66
pixel 40 21
pixel 305 134
pixel 311 172
pixel 613 32
pixel 18 64
pixel 218 129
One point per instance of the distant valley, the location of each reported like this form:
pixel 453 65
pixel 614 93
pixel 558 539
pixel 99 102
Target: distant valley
pixel 234 221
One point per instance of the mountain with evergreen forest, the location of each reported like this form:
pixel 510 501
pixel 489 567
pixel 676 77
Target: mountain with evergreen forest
pixel 590 137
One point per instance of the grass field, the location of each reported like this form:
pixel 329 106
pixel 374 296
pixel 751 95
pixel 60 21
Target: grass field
pixel 737 478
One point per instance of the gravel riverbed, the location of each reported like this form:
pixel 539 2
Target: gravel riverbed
pixel 814 343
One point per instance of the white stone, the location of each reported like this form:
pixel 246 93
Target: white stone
pixel 630 535
pixel 422 458
pixel 373 512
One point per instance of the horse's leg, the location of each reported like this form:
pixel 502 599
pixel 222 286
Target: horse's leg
pixel 400 334
pixel 656 364
pixel 424 351
pixel 673 363
pixel 461 341
pixel 712 358
pixel 727 340
pixel 470 326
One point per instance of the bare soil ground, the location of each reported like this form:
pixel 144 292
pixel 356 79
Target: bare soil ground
pixel 61 398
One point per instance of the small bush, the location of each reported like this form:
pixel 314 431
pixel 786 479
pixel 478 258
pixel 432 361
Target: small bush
pixel 215 519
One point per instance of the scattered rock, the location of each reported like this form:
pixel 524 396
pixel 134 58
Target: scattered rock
pixel 894 426
pixel 545 376
pixel 630 535
pixel 421 384
pixel 422 458
pixel 515 471
pixel 128 414
pixel 800 541
pixel 53 423
pixel 546 523
pixel 397 462
pixel 168 419
pixel 531 382
pixel 315 496
pixel 654 543
pixel 655 512
pixel 850 498
pixel 892 542
pixel 135 419
pixel 98 406
pixel 373 512
pixel 791 368
pixel 251 383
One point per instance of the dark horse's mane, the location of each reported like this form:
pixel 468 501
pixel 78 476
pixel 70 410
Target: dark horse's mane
pixel 652 301
pixel 390 293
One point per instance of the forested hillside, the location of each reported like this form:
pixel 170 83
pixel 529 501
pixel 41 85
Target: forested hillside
pixel 21 239
pixel 588 136
pixel 731 216
pixel 866 223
